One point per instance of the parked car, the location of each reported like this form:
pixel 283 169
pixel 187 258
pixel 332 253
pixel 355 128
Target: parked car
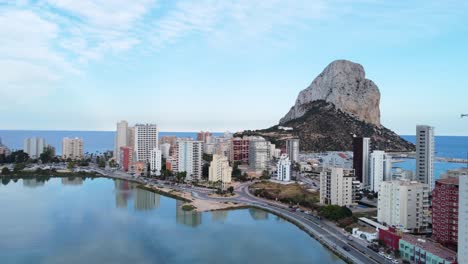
pixel 346 248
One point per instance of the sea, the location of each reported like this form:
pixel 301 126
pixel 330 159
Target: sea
pixel 101 141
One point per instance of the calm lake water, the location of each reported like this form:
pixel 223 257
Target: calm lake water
pixel 72 220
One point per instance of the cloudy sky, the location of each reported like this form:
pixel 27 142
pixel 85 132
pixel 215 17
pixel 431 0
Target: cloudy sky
pixel 218 65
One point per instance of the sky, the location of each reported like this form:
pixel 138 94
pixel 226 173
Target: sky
pixel 221 65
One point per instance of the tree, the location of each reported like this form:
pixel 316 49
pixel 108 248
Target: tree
pixel 5 171
pixel 19 167
pixel 101 163
pixel 335 212
pixel 265 175
pixel 207 157
pixel 230 189
pixel 112 163
pixel 47 155
pixel 71 165
pixel 181 176
pixel 205 171
pixel 236 172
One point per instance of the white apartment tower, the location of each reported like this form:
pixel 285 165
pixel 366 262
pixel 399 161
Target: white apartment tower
pixel 292 149
pixel 146 139
pixel 121 138
pixel 155 162
pixel 380 169
pixel 283 168
pixel 338 186
pixel 219 169
pixel 34 146
pixel 72 148
pixel 258 154
pixel 463 219
pixel 425 148
pixel 404 204
pixel 189 158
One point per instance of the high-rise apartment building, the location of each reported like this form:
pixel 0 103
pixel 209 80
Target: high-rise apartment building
pixel 361 149
pixel 239 151
pixel 338 186
pixel 404 204
pixel 155 162
pixel 72 148
pixel 445 212
pixel 258 154
pixel 165 150
pixel 380 169
pixel 463 219
pixel 121 138
pixel 219 170
pixel 126 158
pixel 283 168
pixel 34 146
pixel 189 158
pixel 146 139
pixel 425 148
pixel 292 149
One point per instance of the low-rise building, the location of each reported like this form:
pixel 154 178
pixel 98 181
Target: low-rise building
pixel 418 250
pixel 338 187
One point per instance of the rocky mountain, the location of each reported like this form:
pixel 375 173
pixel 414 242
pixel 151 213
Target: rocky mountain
pixel 343 84
pixel 339 104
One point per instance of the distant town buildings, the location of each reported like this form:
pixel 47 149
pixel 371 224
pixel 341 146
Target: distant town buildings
pixel 4 150
pixel 219 170
pixel 155 162
pixel 463 219
pixel 283 168
pixel 189 158
pixel 34 146
pixel 404 204
pixel 338 186
pixel 72 148
pixel 425 148
pixel 380 169
pixel 445 212
pixel 146 139
pixel 258 154
pixel 292 149
pixel 361 149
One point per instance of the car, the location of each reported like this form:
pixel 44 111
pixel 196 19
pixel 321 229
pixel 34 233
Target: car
pixel 350 238
pixel 346 248
pixel 382 254
pixel 388 257
pixel 395 261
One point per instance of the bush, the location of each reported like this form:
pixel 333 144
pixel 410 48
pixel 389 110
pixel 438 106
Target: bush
pixel 188 207
pixel 5 171
pixel 335 212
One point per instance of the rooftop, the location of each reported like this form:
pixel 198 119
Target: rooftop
pixel 431 246
pixel 448 181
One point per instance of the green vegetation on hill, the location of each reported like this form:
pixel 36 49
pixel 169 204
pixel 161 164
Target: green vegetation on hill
pixel 293 194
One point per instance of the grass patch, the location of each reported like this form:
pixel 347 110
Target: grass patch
pixel 188 207
pixel 286 193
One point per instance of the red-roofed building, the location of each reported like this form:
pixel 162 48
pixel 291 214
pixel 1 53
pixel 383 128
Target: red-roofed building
pixel 389 237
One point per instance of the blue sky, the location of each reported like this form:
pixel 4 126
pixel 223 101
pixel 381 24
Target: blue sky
pixel 224 65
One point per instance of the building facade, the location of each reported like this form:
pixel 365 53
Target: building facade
pixel 283 168
pixel 121 138
pixel 417 250
pixel 292 149
pixel 258 154
pixel 239 151
pixel 338 186
pixel 361 149
pixel 445 212
pixel 404 204
pixel 425 149
pixel 72 148
pixel 380 169
pixel 126 158
pixel 189 158
pixel 463 219
pixel 34 146
pixel 219 170
pixel 146 139
pixel 155 162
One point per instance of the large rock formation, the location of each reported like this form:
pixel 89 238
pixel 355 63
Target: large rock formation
pixel 339 104
pixel 343 84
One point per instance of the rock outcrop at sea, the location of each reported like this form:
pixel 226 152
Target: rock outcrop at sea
pixel 343 84
pixel 339 104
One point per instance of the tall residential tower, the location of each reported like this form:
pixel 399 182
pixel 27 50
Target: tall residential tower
pixel 425 155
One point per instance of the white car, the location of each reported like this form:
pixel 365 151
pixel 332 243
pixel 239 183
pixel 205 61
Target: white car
pixel 382 254
pixel 389 257
pixel 395 261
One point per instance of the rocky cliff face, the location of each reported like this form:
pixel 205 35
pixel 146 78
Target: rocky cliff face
pixel 343 84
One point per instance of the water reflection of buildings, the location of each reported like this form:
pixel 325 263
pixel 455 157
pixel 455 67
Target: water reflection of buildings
pixel 32 183
pixel 189 218
pixel 146 200
pixel 219 216
pixel 258 214
pixel 123 192
pixel 72 181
